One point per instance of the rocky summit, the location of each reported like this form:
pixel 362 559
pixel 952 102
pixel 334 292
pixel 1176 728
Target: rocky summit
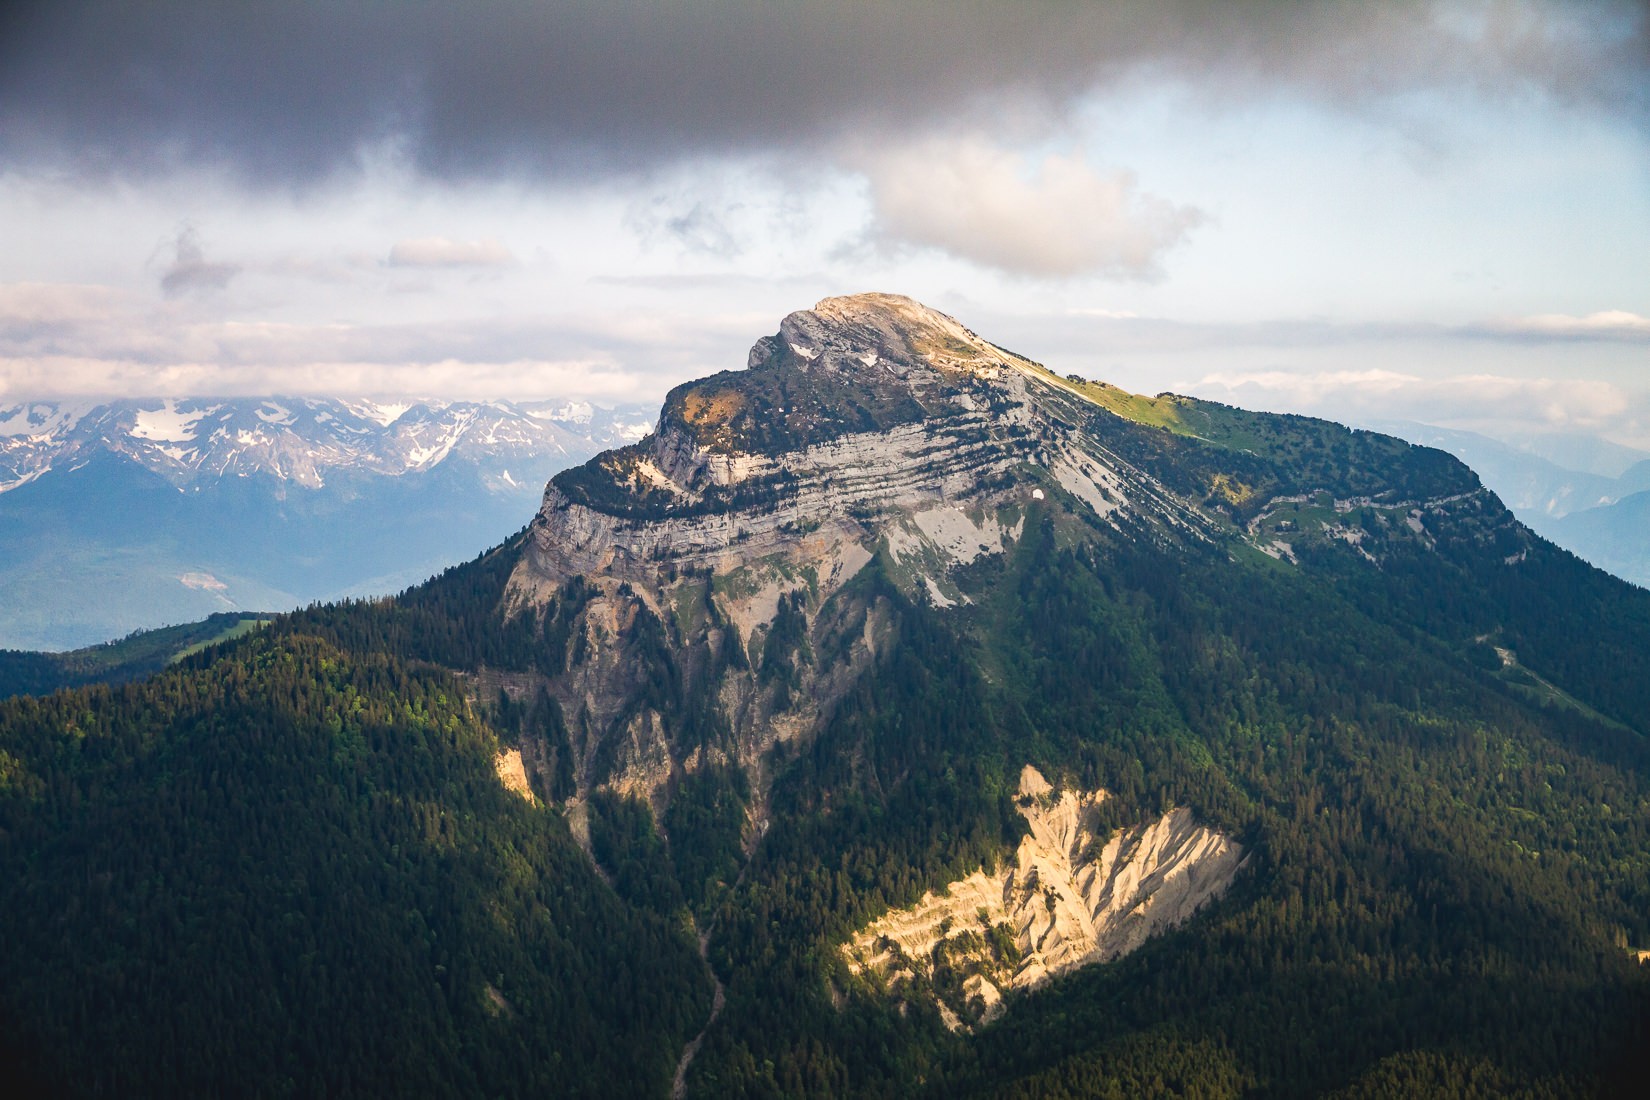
pixel 874 428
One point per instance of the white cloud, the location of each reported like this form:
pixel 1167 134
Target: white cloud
pixel 24 304
pixel 521 380
pixel 1104 314
pixel 1605 324
pixel 1059 217
pixel 445 252
pixel 1376 394
pixel 92 341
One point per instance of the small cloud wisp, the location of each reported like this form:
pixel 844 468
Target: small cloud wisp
pixel 446 252
pixel 190 271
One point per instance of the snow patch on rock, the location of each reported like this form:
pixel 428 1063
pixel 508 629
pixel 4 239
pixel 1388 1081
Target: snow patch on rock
pixel 169 423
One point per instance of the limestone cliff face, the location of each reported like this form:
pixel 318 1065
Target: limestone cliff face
pixel 1069 898
pixel 860 409
pixel 691 576
pixel 866 426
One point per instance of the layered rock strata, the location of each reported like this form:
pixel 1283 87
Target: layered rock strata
pixel 867 426
pixel 857 410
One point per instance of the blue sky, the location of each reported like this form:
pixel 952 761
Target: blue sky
pixel 1435 211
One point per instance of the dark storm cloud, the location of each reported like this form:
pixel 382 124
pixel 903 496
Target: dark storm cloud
pixel 292 92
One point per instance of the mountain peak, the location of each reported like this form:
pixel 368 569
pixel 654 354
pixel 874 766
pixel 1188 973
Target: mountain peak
pixel 862 332
pixel 860 363
pixel 872 420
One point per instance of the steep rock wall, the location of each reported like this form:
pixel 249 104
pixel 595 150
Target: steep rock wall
pixel 869 425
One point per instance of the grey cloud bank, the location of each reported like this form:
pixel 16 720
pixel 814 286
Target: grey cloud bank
pixel 293 93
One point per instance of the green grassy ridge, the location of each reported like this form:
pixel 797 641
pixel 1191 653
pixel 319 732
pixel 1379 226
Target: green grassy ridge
pixel 1233 460
pixel 233 631
pixel 139 654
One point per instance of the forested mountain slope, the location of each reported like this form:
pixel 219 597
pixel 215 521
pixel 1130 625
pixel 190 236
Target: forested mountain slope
pixel 777 672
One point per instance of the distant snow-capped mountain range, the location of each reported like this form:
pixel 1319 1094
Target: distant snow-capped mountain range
pixel 190 442
pixel 126 514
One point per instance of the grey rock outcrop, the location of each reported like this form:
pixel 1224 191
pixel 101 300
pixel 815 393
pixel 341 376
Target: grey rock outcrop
pixel 869 425
pixel 869 428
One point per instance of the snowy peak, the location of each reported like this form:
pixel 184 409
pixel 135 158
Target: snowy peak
pixel 170 422
pixel 39 418
pixel 303 441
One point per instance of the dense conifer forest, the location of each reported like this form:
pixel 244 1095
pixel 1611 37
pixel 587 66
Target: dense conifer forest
pixel 140 654
pixel 287 869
